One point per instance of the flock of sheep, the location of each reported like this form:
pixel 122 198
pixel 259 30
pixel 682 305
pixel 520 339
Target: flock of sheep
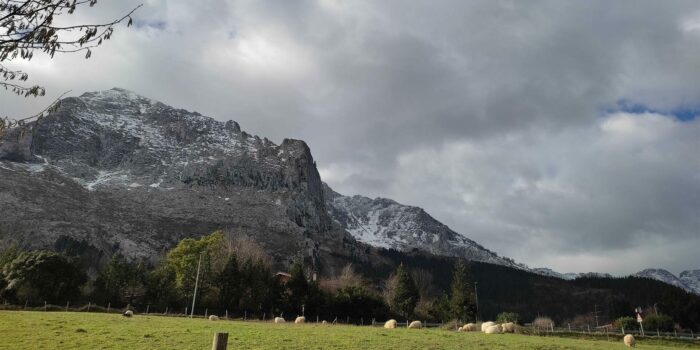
pixel 486 327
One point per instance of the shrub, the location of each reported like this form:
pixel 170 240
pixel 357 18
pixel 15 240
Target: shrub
pixel 543 322
pixel 660 322
pixel 626 323
pixel 505 317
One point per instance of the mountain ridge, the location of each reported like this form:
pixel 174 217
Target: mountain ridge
pixel 112 170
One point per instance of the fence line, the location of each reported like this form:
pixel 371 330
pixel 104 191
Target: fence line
pixel 246 317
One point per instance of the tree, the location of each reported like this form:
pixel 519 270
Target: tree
pixel 298 286
pixel 28 26
pixel 229 283
pixel 184 260
pixel 660 322
pixel 505 317
pixel 462 303
pixel 43 276
pixel 405 296
pixel 161 287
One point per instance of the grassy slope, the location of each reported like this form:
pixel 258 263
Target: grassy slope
pixel 59 330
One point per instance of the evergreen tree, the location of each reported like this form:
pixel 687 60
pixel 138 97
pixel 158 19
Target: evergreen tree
pixel 298 287
pixel 462 304
pixel 229 283
pixel 405 296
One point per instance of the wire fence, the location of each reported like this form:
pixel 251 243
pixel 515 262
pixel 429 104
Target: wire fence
pixel 203 313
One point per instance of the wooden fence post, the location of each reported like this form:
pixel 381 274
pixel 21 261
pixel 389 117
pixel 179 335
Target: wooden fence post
pixel 44 305
pixel 88 308
pixel 220 341
pixel 148 306
pixel 109 306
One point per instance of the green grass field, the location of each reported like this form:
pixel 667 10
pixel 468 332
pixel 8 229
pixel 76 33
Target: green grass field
pixel 73 330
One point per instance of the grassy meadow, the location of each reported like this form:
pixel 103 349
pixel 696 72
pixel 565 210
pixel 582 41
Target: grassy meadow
pixel 75 330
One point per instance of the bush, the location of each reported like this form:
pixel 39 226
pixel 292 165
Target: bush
pixel 626 323
pixel 505 317
pixel 543 322
pixel 660 322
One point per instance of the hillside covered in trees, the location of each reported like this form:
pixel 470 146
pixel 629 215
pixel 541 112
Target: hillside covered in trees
pixel 237 277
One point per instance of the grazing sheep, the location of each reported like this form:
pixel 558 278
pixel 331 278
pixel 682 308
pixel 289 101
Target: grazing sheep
pixel 279 320
pixel 470 327
pixel 390 324
pixel 300 319
pixel 415 325
pixel 324 322
pixel 128 313
pixel 487 325
pixel 493 329
pixel 213 318
pixel 508 327
pixel 629 340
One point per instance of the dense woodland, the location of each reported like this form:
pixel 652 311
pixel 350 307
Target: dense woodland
pixel 236 277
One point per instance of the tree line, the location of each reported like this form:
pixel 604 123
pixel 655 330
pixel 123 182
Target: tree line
pixel 235 277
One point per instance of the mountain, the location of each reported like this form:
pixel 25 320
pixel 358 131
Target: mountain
pixel 689 280
pixel 544 271
pixel 113 171
pixel 382 222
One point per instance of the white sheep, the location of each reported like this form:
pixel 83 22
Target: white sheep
pixel 324 322
pixel 470 327
pixel 300 319
pixel 415 325
pixel 487 325
pixel 493 329
pixel 390 324
pixel 128 313
pixel 213 318
pixel 629 340
pixel 279 320
pixel 508 327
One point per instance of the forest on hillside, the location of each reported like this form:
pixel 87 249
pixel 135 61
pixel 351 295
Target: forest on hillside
pixel 236 277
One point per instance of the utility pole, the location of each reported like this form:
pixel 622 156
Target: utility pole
pixel 595 312
pixel 476 299
pixel 196 284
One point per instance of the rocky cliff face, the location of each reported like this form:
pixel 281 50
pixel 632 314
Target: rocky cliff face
pixel 382 222
pixel 123 172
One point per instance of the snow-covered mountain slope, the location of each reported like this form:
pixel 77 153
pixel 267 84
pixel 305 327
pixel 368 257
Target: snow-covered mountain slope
pixel 544 271
pixel 382 222
pixel 689 280
pixel 116 171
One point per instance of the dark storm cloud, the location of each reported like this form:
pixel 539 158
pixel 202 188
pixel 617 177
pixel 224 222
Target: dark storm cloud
pixel 497 117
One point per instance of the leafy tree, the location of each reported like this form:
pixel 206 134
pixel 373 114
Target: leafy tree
pixel 661 322
pixel 357 302
pixel 626 323
pixel 185 257
pixel 28 26
pixel 505 317
pixel 405 296
pixel 462 303
pixel 43 276
pixel 161 287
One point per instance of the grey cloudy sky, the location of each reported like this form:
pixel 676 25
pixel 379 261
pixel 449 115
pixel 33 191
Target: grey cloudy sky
pixel 558 133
